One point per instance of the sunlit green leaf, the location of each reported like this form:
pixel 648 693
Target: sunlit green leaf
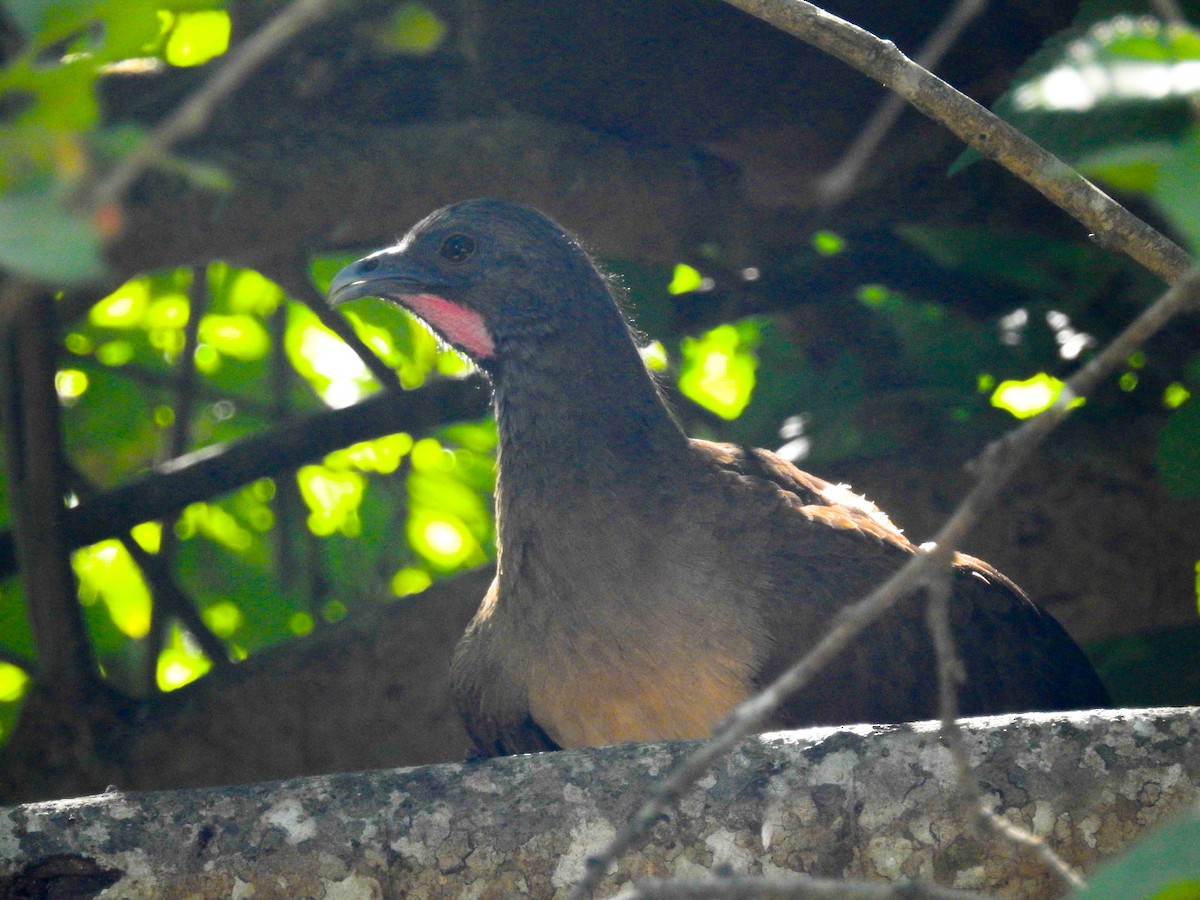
pixel 414 30
pixel 108 573
pixel 333 499
pixel 1029 397
pixel 410 581
pixel 718 368
pixel 684 280
pixel 197 37
pixel 380 455
pixel 246 291
pixel 1177 187
pixel 148 535
pixel 1175 395
pixel 181 662
pixel 214 523
pixel 827 243
pixel 124 307
pixel 13 682
pixel 1163 866
pixel 240 336
pixel 224 618
pixel 320 356
pixel 443 539
pixel 70 384
pixel 654 355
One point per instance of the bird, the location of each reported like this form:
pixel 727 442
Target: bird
pixel 646 582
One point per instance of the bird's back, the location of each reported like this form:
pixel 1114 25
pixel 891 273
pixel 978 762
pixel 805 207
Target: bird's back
pixel 818 547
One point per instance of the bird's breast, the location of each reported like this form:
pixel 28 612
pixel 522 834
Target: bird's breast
pixel 594 702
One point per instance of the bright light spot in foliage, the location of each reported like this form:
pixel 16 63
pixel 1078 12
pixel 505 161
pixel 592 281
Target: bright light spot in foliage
pixel 300 624
pixel 381 455
pixel 13 682
pixel 247 291
pixel 684 280
pixel 322 357
pixel 115 353
pixel 70 384
pixel 214 523
pixel 415 30
pixel 1128 381
pixel 122 308
pixel 333 499
pixel 148 535
pixel 197 37
pixel 240 336
pixel 107 573
pixel 410 581
pixel 1100 70
pixel 654 355
pixel 443 539
pixel 180 662
pixel 223 617
pixel 1028 398
pixel 827 243
pixel 718 368
pixel 873 294
pixel 1175 395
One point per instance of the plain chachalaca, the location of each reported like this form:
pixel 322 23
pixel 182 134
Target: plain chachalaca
pixel 646 582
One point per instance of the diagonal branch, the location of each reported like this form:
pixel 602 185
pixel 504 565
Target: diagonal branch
pixel 951 674
pixel 1111 224
pixel 213 470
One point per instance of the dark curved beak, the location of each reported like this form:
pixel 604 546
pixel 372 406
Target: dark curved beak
pixel 381 274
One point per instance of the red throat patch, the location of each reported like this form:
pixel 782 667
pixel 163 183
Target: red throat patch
pixel 461 326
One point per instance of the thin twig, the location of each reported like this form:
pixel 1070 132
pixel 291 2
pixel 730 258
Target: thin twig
pixel 744 887
pixel 996 465
pixel 837 184
pixel 951 675
pixel 1112 225
pixel 191 116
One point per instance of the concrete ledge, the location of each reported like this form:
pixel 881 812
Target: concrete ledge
pixel 856 802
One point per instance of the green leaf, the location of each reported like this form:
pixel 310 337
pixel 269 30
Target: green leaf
pixel 42 240
pixel 1164 866
pixel 719 368
pixel 414 30
pixel 197 37
pixel 1177 189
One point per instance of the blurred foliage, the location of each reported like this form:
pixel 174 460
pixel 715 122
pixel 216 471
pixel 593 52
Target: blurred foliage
pixel 1164 866
pixel 53 140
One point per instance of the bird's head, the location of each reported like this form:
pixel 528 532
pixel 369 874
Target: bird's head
pixel 490 276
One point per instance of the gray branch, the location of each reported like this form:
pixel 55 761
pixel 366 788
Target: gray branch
pixel 854 803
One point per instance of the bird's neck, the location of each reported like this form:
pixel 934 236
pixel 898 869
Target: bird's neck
pixel 582 426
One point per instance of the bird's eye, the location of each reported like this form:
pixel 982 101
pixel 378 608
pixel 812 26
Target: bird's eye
pixel 457 248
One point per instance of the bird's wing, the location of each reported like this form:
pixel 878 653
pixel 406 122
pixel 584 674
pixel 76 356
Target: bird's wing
pixel 833 504
pixel 827 547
